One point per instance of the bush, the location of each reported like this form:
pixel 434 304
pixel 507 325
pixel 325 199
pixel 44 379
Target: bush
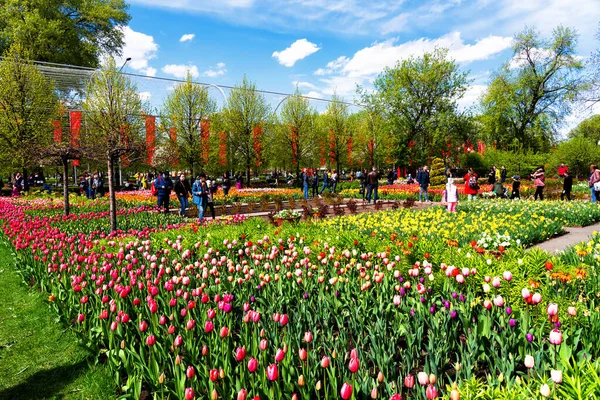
pixel 437 176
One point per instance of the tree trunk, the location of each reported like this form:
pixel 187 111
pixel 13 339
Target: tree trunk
pixel 65 165
pixel 111 194
pixel 193 169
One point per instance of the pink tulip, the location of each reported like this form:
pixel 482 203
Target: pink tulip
pixel 431 392
pixel 498 301
pixel 302 354
pixel 80 318
pixel 536 298
pixel 190 372
pixel 346 391
pixel 190 324
pixel 396 397
pixel 189 393
pixel 555 337
pixel 208 326
pixel 242 394
pixel 252 364
pixel 354 365
pixel 143 325
pixel 308 337
pixel 409 381
pixel 224 332
pixel 150 340
pixel 178 341
pixel 263 344
pixel 552 309
pixel 325 362
pixel 572 311
pixel 507 275
pixel 423 378
pixel 525 293
pixel 279 355
pixel 240 353
pixel 283 319
pixel 272 372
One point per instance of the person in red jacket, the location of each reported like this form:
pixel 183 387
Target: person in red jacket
pixel 471 186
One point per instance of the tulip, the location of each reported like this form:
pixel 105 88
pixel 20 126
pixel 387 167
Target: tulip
pixel 552 309
pixel 308 337
pixel 208 326
pixel 409 381
pixel 353 353
pixel 150 340
pixel 454 395
pixel 354 365
pixel 572 311
pixel 325 362
pixel 431 392
pixel 380 377
pixel 536 298
pixel 143 325
pixel 279 355
pixel 189 393
pixel 242 394
pixel 374 392
pixel 263 344
pixel 396 397
pixel 556 376
pixel 80 318
pixel 318 386
pixel 507 275
pixel 432 379
pixel 224 332
pixel 190 324
pixel 498 301
pixel 346 391
pixel 545 390
pixel 240 353
pixel 214 395
pixel 252 364
pixel 525 293
pixel 190 372
pixel 213 374
pixel 272 372
pixel 283 319
pixel 555 337
pixel 301 380
pixel 529 361
pixel 302 354
pixel 178 341
pixel 423 378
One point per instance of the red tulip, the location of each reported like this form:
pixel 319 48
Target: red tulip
pixel 209 326
pixel 272 372
pixel 224 332
pixel 190 324
pixel 325 362
pixel 431 392
pixel 354 365
pixel 189 393
pixel 252 364
pixel 279 355
pixel 242 394
pixel 283 319
pixel 80 318
pixel 409 381
pixel 171 329
pixel 346 391
pixel 396 397
pixel 353 353
pixel 240 353
pixel 214 374
pixel 190 372
pixel 143 326
pixel 150 340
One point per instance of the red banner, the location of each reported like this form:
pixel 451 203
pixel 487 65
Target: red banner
pixel 322 145
pixel 57 131
pixel 173 137
pixel 257 136
pixel 150 137
pixel 223 148
pixel 371 148
pixel 124 134
pixel 204 144
pixel 294 138
pixel 349 145
pixel 75 125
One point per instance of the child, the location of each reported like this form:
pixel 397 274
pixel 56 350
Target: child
pixel 450 195
pixel 515 187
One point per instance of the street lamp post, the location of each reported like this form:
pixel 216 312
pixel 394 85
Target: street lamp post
pixel 125 63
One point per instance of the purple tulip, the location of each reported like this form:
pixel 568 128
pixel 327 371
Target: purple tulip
pixel 529 337
pixel 512 323
pixel 423 299
pixel 432 309
pixel 412 311
pixel 306 295
pixel 252 299
pixel 557 324
pixel 508 310
pixel 454 295
pixel 462 298
pixel 453 314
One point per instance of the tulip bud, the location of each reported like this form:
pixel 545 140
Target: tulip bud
pixel 572 311
pixel 161 378
pixel 214 395
pixel 308 337
pixel 432 379
pixel 302 354
pixel 454 395
pixel 242 394
pixel 431 392
pixel 529 361
pixel 423 378
pixel 177 360
pixel 189 393
pixel 279 355
pixel 556 376
pixel 380 377
pixel 318 385
pixel 213 375
pixel 325 362
pixel 252 364
pixel 545 390
pixel 190 372
pixel 346 391
pixel 374 392
pixel 204 350
pixel 301 380
pixel 409 381
pixel 354 365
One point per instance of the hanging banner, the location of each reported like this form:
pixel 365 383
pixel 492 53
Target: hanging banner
pixel 371 148
pixel 124 134
pixel 204 143
pixel 223 148
pixel 150 137
pixel 173 137
pixel 349 145
pixel 75 125
pixel 57 131
pixel 257 145
pixel 322 145
pixel 294 139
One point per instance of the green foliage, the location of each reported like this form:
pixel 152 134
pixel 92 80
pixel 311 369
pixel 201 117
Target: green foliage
pixel 437 177
pixel 516 162
pixel 531 94
pixel 472 160
pixel 75 32
pixel 337 132
pixel 27 106
pixel 588 128
pixel 418 97
pixel 184 109
pixel 577 153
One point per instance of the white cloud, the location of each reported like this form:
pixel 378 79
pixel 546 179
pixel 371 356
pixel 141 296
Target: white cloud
pixel 307 85
pixel 188 37
pixel 218 70
pixel 300 49
pixel 333 66
pixel 396 24
pixel 471 96
pixel 314 94
pixel 141 48
pixel 144 96
pixel 181 71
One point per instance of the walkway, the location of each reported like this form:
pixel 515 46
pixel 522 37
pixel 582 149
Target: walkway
pixel 572 237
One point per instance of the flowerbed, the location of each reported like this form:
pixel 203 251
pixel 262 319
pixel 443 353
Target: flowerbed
pixel 379 305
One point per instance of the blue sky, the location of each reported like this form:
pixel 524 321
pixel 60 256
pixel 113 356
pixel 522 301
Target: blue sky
pixel 327 46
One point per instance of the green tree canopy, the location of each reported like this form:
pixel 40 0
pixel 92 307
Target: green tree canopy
pixel 588 128
pixel 75 32
pixel 27 106
pixel 530 96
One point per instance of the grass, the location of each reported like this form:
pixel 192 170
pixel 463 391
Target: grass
pixel 39 357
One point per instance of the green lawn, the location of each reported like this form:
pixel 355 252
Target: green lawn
pixel 39 357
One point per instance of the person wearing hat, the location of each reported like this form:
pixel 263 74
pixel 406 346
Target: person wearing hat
pixel 516 185
pixel 164 185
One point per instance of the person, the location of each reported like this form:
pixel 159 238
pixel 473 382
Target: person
pixel 199 195
pixel 410 180
pixel 334 180
pixel 163 185
pixel 423 179
pixel 95 185
pixel 83 186
pixel 363 183
pixel 471 185
pixel 238 181
pixel 499 190
pixel 594 182
pixel 450 195
pixel 144 182
pixel 567 186
pixel 325 185
pixel 305 179
pixel 539 181
pixel 18 182
pixel 226 183
pixel 182 190
pixel 352 176
pixel 492 175
pixel 390 177
pixel 562 169
pixel 372 185
pixel 503 174
pixel 314 182
pixel 516 185
pixel 211 189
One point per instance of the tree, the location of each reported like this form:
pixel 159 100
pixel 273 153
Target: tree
pixel 530 96
pixel 297 132
pixel 336 123
pixel 114 123
pixel 188 109
pixel 245 116
pixel 27 106
pixel 592 94
pixel 578 153
pixel 64 31
pixel 415 97
pixel 589 129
